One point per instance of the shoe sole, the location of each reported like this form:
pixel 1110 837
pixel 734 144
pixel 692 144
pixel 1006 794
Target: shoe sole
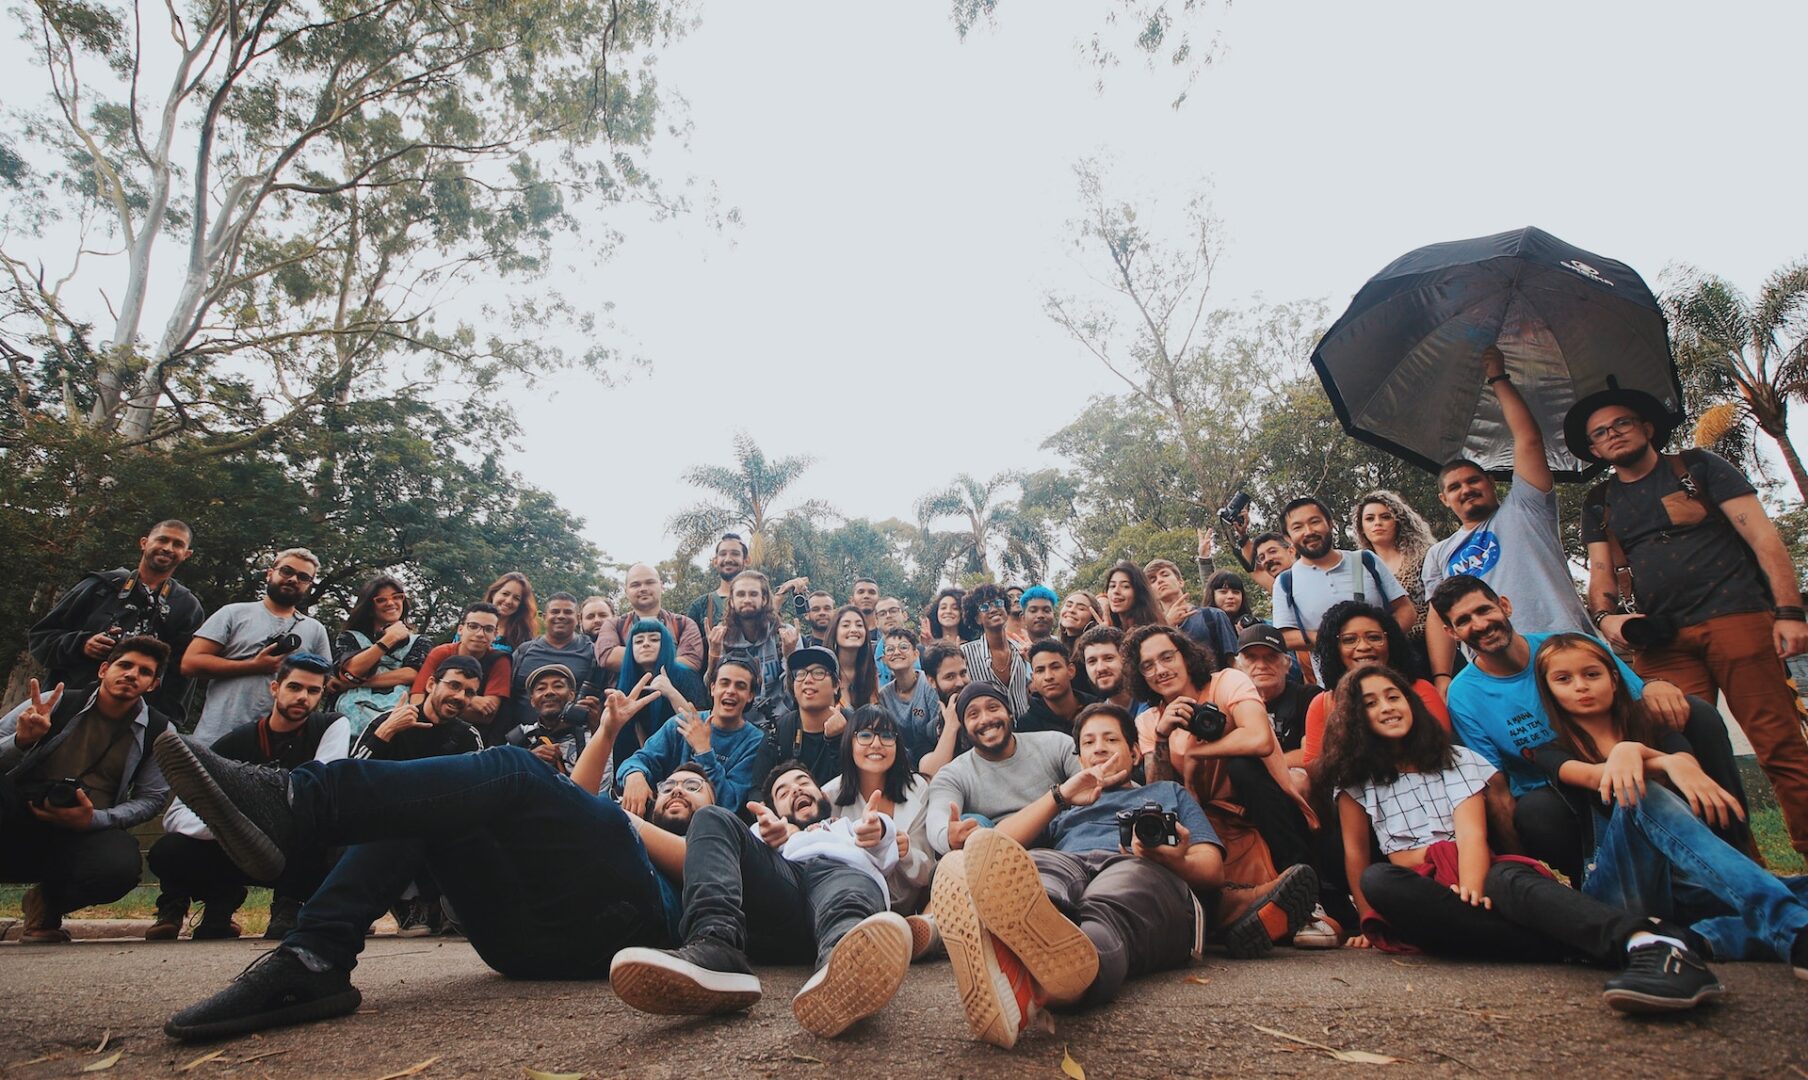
pixel 1007 892
pixel 865 969
pixel 923 937
pixel 340 1004
pixel 244 843
pixel 651 981
pixel 1633 1001
pixel 976 980
pixel 1295 892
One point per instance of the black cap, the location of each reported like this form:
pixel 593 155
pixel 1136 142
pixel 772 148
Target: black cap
pixel 1575 422
pixel 810 655
pixel 1261 634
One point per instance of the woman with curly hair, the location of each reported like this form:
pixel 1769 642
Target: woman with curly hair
pixel 1353 634
pixel 1399 537
pixel 945 623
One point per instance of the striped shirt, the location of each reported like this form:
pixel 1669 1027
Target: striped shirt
pixel 979 666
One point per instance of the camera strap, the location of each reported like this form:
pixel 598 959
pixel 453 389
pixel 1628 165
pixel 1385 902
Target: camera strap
pixel 159 599
pixel 1616 552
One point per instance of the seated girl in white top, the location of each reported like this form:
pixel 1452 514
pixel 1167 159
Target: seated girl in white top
pixel 873 762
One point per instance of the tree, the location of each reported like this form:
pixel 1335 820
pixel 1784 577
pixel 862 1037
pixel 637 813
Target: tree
pixel 1749 354
pixel 308 188
pixel 991 524
pixel 748 491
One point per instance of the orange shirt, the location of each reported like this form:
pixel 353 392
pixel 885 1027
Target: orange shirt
pixel 1313 744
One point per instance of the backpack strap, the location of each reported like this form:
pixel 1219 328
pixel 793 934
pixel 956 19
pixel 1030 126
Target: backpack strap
pixel 1616 554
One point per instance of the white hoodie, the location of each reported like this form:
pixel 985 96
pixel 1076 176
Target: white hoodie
pixel 834 839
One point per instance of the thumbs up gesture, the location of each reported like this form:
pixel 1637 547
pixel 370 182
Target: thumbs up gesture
pixel 871 827
pixel 959 830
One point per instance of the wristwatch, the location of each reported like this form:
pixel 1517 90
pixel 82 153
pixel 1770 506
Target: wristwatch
pixel 1054 792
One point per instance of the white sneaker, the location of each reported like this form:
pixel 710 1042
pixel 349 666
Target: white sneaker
pixel 1320 931
pixel 864 971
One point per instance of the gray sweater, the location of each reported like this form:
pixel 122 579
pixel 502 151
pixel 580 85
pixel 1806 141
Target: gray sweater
pixel 994 789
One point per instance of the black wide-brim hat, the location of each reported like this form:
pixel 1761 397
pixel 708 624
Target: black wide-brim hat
pixel 1575 422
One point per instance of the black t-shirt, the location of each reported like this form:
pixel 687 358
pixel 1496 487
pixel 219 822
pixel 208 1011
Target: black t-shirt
pixel 1039 717
pixel 288 749
pixel 1288 714
pixel 1688 562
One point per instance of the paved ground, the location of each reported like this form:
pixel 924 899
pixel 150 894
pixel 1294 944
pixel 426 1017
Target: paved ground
pixel 431 999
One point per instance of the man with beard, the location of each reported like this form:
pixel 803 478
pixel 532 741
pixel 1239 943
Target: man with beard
pixel 714 606
pixel 108 605
pixel 1685 566
pixel 433 728
pixel 811 733
pixel 1514 545
pixel 993 656
pixel 946 669
pixel 553 736
pixel 799 886
pixel 646 593
pixel 240 646
pixel 189 864
pixel 478 627
pixel 1101 653
pixel 1003 773
pixel 563 645
pixel 721 742
pixel 1323 575
pixel 819 618
pixel 752 631
pixel 550 880
pixel 1497 711
pixel 866 598
pixel 1039 603
pixel 596 611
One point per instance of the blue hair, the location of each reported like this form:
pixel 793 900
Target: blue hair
pixel 660 710
pixel 1039 592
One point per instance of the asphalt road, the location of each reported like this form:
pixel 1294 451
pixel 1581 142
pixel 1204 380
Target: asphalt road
pixel 427 998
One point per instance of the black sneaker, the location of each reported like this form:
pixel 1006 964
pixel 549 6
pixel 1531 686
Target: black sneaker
pixel 703 977
pixel 1798 956
pixel 284 911
pixel 246 806
pixel 277 989
pixel 1254 918
pixel 1660 977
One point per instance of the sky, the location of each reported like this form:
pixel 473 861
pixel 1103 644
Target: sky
pixel 905 201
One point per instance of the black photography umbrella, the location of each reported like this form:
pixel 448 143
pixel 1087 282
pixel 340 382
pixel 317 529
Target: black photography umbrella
pixel 1403 365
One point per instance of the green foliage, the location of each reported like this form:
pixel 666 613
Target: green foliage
pixel 744 494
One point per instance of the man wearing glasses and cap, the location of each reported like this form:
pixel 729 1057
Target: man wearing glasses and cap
pixel 811 733
pixel 1686 570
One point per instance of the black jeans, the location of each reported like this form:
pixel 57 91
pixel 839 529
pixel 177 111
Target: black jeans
pixel 189 867
pixel 548 880
pixel 739 891
pixel 1534 917
pixel 75 869
pixel 1140 916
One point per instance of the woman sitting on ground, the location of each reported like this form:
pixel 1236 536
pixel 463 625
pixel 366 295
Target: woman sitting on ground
pixel 876 774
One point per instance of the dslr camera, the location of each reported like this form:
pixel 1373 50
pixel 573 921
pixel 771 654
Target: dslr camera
pixel 281 644
pixel 1649 631
pixel 1231 513
pixel 1207 723
pixel 1149 823
pixel 53 794
pixel 132 620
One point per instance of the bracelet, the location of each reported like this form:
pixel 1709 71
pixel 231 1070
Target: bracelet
pixel 1791 614
pixel 1601 617
pixel 1502 377
pixel 1054 792
pixel 1442 675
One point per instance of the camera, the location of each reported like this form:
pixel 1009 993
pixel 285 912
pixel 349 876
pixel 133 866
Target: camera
pixel 53 794
pixel 800 604
pixel 1232 512
pixel 1649 631
pixel 1207 722
pixel 132 620
pixel 1149 823
pixel 281 644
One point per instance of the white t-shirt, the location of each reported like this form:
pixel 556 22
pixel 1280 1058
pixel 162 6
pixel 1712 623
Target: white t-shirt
pixel 1315 590
pixel 1419 809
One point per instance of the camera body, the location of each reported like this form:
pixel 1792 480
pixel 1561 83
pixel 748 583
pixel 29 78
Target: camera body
pixel 1207 723
pixel 1149 823
pixel 1649 631
pixel 281 644
pixel 131 620
pixel 800 603
pixel 53 794
pixel 1232 512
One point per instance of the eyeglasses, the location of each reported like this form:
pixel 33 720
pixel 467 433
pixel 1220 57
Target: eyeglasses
pixel 1619 426
pixel 690 785
pixel 898 645
pixel 814 673
pixel 293 574
pixel 1167 657
pixel 994 605
pixel 1372 637
pixel 886 738
pixel 480 628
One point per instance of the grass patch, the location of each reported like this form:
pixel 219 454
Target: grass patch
pixel 141 903
pixel 1773 842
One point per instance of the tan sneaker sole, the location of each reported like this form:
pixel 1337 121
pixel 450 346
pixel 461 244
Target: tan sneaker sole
pixel 1008 895
pixel 652 981
pixel 864 971
pixel 986 998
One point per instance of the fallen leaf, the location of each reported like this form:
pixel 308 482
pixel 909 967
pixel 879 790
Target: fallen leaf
pixel 1071 1067
pixel 104 1063
pixel 1363 1057
pixel 413 1070
pixel 1198 980
pixel 536 1074
pixel 202 1060
pixel 259 1057
pixel 1403 963
pixel 808 1059
pixel 105 1037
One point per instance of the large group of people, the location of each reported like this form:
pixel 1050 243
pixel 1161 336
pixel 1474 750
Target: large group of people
pixel 1430 744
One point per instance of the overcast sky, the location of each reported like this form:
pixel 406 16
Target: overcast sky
pixel 904 202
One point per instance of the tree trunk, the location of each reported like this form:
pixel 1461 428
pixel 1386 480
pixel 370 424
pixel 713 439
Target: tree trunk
pixel 1790 458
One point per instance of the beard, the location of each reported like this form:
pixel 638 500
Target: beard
pixel 823 812
pixel 1314 548
pixel 673 823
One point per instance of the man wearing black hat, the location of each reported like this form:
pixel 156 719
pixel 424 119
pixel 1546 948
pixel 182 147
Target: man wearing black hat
pixel 810 733
pixel 1685 568
pixel 1513 544
pixel 1263 656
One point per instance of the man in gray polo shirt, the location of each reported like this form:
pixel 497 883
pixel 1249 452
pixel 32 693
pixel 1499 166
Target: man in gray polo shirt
pixel 1514 544
pixel 1324 574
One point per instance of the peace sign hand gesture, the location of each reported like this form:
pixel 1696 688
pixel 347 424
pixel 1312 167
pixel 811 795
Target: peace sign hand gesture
pixel 619 708
pixel 34 722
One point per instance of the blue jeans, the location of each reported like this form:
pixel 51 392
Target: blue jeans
pixel 1657 858
pixel 548 880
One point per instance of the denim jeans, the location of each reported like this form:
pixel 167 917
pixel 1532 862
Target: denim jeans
pixel 739 891
pixel 1657 858
pixel 548 880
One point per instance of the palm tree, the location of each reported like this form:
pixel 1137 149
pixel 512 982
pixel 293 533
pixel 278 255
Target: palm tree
pixel 747 492
pixel 1749 354
pixel 990 522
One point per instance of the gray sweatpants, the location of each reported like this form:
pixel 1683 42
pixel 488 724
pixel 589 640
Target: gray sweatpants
pixel 1140 915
